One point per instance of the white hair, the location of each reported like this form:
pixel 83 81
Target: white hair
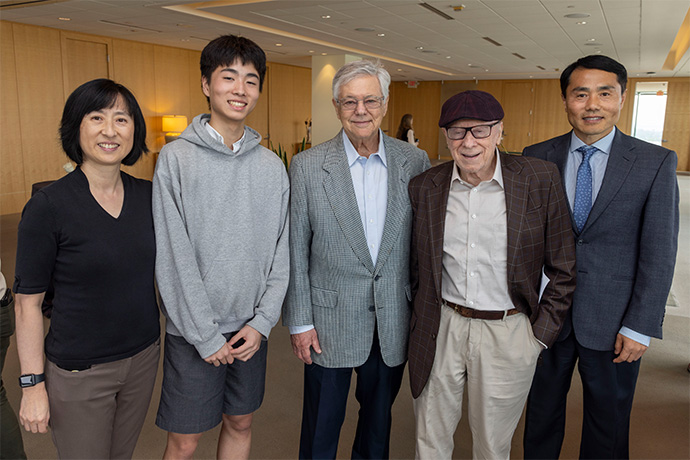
pixel 361 68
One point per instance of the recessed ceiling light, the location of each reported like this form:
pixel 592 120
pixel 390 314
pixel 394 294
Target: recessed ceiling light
pixel 591 39
pixel 581 23
pixel 447 57
pixel 65 19
pixel 597 52
pixel 311 51
pixel 380 35
pixel 326 16
pixel 399 70
pixel 324 54
pixel 420 47
pixel 184 39
pixel 486 70
pixel 279 44
pixel 577 15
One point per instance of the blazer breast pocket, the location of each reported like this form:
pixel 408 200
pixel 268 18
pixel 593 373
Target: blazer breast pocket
pixel 324 297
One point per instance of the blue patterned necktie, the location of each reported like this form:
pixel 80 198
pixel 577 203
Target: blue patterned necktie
pixel 583 187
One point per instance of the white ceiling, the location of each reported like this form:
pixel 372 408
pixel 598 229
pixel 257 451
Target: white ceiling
pixel 417 44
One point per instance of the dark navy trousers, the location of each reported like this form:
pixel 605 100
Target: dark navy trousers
pixel 325 401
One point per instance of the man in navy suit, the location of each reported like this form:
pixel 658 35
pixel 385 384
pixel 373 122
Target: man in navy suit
pixel 623 196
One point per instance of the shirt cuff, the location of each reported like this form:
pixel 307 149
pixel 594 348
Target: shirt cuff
pixel 300 329
pixel 636 336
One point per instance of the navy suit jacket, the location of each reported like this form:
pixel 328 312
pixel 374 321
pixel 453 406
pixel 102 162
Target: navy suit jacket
pixel 626 252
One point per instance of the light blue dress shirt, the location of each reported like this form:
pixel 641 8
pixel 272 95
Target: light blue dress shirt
pixel 598 163
pixel 370 180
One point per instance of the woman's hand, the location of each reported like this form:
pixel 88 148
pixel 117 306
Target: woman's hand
pixel 34 410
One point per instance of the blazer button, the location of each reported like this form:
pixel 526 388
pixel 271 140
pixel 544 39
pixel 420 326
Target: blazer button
pixel 372 308
pixel 580 242
pixel 433 336
pixel 377 277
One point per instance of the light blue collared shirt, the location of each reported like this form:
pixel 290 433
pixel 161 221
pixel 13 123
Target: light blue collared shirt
pixel 370 181
pixel 598 163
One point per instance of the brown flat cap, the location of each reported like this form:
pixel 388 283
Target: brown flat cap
pixel 473 104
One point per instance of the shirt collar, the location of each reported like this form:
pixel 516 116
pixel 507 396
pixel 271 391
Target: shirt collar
pixel 603 144
pixel 352 154
pixel 219 137
pixel 498 174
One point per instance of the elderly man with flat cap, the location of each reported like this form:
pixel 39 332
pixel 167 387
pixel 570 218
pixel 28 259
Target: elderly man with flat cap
pixel 489 230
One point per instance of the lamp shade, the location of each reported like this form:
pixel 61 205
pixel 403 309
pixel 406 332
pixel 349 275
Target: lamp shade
pixel 174 123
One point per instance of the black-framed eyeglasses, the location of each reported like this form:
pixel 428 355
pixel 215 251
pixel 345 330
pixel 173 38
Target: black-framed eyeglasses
pixel 479 132
pixel 350 104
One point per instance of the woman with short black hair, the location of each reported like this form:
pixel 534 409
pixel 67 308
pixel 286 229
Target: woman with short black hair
pixel 91 233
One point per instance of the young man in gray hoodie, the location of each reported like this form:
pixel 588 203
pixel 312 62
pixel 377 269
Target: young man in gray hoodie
pixel 220 206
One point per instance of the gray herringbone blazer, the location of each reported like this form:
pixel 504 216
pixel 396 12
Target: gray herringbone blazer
pixel 334 284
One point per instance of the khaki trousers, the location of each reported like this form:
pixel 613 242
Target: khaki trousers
pixel 496 359
pixel 98 413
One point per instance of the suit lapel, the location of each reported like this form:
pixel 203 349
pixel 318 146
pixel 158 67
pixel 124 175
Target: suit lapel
pixel 437 201
pixel 559 155
pixel 397 201
pixel 341 195
pixel 516 192
pixel 621 160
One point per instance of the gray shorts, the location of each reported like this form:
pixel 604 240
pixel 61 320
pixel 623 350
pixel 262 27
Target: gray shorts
pixel 195 394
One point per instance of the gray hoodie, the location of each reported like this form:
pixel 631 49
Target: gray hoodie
pixel 221 222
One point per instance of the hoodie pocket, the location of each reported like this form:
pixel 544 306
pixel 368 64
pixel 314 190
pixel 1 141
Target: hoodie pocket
pixel 233 288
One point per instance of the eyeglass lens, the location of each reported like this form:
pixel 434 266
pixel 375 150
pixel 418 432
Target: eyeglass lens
pixel 351 104
pixel 479 132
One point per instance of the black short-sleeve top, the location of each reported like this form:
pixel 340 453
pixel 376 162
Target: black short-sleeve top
pixel 102 269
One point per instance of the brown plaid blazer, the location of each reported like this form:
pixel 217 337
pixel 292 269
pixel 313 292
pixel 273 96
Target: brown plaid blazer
pixel 539 235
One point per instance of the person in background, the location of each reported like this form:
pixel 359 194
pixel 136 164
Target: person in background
pixel 11 445
pixel 405 132
pixel 220 204
pixel 348 304
pixel 623 197
pixel 484 226
pixel 91 232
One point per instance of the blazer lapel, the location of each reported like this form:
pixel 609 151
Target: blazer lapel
pixel 516 191
pixel 341 195
pixel 437 201
pixel 621 160
pixel 397 201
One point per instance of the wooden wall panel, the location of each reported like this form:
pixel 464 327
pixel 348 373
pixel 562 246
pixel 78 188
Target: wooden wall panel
pixel 424 103
pixel 289 96
pixel 517 101
pixel 677 122
pixel 41 100
pixel 133 66
pixel 197 100
pixel 12 190
pixel 84 58
pixel 549 115
pixel 172 82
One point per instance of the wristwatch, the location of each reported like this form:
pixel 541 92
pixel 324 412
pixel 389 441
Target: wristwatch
pixel 29 380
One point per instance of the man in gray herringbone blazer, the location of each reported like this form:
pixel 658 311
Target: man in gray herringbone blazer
pixel 348 302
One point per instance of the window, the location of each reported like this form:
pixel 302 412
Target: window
pixel 649 111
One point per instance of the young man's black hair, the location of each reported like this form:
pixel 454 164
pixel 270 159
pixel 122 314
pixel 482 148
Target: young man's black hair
pixel 224 50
